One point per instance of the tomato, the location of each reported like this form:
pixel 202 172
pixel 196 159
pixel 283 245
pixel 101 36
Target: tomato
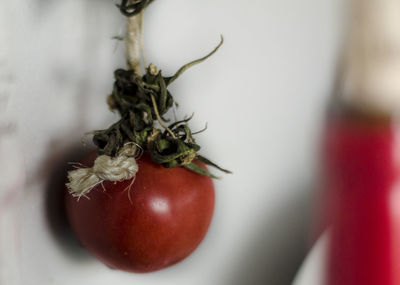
pixel 146 224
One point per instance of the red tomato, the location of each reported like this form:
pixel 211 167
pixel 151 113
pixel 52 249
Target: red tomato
pixel 156 222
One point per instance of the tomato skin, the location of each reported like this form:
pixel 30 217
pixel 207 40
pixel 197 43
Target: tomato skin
pixel 156 222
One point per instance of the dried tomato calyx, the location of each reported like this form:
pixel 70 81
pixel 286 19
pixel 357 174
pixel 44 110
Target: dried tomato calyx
pixel 143 101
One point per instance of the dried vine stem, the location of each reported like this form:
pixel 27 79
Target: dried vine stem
pixel 133 43
pixel 143 99
pixel 160 121
pixel 194 62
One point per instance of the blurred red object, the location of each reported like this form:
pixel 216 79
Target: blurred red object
pixel 361 198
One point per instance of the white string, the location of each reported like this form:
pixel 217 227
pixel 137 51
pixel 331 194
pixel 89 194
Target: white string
pixel 105 168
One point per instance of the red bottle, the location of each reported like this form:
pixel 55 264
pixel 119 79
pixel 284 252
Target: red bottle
pixel 362 165
pixel 361 153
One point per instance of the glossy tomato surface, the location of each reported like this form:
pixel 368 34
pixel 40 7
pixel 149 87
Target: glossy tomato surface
pixel 145 225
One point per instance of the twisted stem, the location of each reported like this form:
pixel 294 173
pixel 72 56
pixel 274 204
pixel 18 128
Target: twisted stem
pixel 160 121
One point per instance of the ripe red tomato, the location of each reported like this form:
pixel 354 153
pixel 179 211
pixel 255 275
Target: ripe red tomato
pixel 157 222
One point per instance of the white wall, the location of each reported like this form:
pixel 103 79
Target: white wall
pixel 263 96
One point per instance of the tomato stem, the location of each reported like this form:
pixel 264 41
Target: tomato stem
pixel 159 118
pixel 133 42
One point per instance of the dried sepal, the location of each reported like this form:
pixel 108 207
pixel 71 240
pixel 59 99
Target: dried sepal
pixel 142 101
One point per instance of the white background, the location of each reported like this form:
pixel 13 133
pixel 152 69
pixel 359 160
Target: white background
pixel 263 95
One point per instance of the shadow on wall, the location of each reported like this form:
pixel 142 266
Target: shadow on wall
pixel 60 152
pixel 279 246
pixel 54 202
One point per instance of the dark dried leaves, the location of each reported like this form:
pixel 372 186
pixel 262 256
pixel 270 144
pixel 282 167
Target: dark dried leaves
pixel 142 100
pixel 130 8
